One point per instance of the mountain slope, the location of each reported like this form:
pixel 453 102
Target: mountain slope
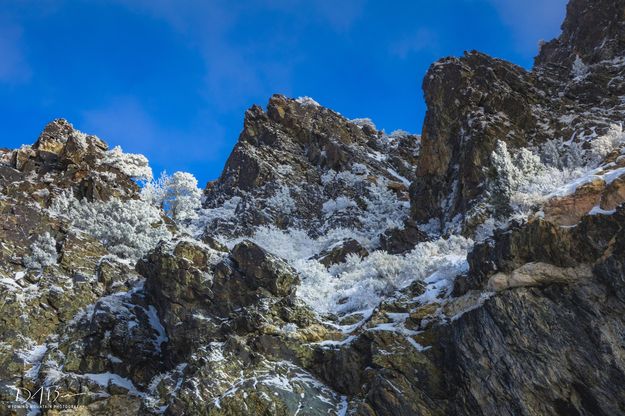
pixel 336 269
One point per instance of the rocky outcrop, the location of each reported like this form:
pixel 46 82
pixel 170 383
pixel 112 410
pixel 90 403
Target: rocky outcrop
pixel 324 273
pixel 474 101
pixel 76 162
pixel 299 165
pixel 538 274
pixel 50 272
pixel 339 252
pixel 592 30
pixel 234 317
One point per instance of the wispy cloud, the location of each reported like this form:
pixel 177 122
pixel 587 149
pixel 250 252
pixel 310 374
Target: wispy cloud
pixel 125 121
pixel 14 68
pixel 122 121
pixel 259 63
pixel 418 41
pixel 531 20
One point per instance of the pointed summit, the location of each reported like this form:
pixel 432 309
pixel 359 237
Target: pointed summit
pixel 593 30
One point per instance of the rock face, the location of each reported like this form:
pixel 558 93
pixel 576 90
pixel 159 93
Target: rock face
pixel 62 296
pixel 336 269
pixel 472 102
pixel 475 101
pixel 299 165
pixel 592 30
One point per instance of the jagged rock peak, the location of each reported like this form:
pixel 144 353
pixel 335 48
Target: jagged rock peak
pixel 57 133
pixel 319 135
pixel 594 30
pixel 64 158
pixel 574 94
pixel 298 164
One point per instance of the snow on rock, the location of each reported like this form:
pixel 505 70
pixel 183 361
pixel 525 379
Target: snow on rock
pixel 362 122
pixel 43 252
pixel 557 169
pixel 157 326
pixel 339 204
pixel 360 284
pixel 133 165
pixel 307 101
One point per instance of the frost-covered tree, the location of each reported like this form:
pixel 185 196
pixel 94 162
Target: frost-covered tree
pixel 511 174
pixel 43 252
pixel 550 153
pixel 505 172
pixel 573 156
pixel 604 145
pixel 178 195
pixel 129 229
pixel 528 165
pixel 134 165
pixel 282 200
pixel 579 70
pixel 153 192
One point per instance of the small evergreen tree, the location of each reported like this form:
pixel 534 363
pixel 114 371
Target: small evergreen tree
pixel 178 195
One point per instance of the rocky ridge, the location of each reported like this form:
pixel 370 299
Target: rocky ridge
pixel 335 269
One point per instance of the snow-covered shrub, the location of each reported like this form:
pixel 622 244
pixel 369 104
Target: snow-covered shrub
pixel 384 210
pixel 340 204
pixel 606 144
pixel 295 243
pixel 505 171
pixel 550 153
pixel 579 70
pixel 178 195
pixel 43 252
pixel 362 122
pixel 346 177
pixel 573 157
pixel 524 179
pixel 398 134
pixel 506 174
pixel 129 229
pixel 133 165
pixel 360 283
pixel 282 201
pixel 359 169
pixel 513 174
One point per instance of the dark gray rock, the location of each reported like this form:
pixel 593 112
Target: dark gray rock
pixel 339 252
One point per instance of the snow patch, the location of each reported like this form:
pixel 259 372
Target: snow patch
pixel 307 101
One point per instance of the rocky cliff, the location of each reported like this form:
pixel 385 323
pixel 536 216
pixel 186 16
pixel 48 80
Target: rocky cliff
pixel 333 268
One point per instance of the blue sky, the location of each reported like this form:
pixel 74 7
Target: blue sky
pixel 172 78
